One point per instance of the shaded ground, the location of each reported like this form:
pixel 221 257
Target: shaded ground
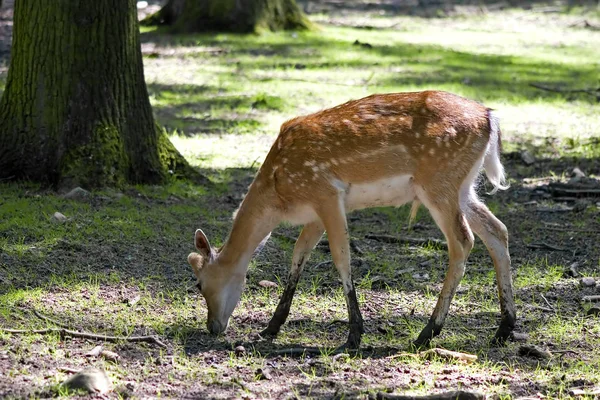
pixel 226 95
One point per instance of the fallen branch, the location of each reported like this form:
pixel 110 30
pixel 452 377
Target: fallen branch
pixel 442 353
pixel 403 239
pixel 456 395
pixel 86 335
pixel 45 318
pixel 592 92
pixel 295 351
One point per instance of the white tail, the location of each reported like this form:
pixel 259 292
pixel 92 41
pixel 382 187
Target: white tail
pixel 491 162
pixel 383 150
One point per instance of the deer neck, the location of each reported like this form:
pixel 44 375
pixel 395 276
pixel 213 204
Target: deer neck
pixel 252 223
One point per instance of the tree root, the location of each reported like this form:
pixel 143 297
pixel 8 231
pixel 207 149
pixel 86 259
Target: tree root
pixel 401 239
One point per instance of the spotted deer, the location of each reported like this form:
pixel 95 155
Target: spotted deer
pixel 383 150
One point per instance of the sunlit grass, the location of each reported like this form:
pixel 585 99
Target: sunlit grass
pixel 222 98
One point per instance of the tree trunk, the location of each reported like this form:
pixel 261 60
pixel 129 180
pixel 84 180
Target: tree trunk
pixel 230 15
pixel 75 110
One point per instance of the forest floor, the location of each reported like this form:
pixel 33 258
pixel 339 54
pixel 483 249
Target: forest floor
pixel 117 264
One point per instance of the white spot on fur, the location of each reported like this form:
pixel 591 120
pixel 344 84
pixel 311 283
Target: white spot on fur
pixel 417 135
pixel 432 151
pixel 309 163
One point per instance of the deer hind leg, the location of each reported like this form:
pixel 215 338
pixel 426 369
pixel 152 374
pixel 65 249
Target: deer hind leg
pixel 446 212
pixel 333 215
pixel 308 239
pixel 494 235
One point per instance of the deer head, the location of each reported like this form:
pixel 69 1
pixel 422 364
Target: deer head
pixel 220 288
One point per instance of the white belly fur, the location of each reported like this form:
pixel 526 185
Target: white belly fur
pixel 394 191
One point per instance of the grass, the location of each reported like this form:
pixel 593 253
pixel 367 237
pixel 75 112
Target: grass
pixel 223 98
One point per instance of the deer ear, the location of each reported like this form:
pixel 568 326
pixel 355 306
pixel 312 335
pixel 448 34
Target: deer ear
pixel 196 262
pixel 202 244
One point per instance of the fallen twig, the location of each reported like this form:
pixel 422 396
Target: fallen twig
pixel 456 395
pixel 323 263
pixel 87 335
pixel 554 210
pixel 591 298
pixel 547 302
pixel 403 239
pixel 545 245
pixel 540 307
pixel 355 248
pixel 557 229
pixel 564 352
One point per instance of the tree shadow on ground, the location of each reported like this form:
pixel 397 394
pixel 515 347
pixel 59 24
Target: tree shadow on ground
pixel 482 76
pixel 432 8
pixel 194 109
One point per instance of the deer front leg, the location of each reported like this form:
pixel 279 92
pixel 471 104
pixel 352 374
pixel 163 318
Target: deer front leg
pixel 494 235
pixel 453 224
pixel 308 239
pixel 334 218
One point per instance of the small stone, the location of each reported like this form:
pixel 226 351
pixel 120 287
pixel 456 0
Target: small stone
pixel 581 205
pixel 594 310
pixel 95 352
pixel 527 157
pixel 576 176
pixel 134 300
pixel 267 284
pixel 588 281
pixel 91 379
pixel 534 351
pixel 110 355
pixel 519 336
pixel 421 276
pixel 239 350
pixel 264 373
pixel 59 217
pixel 571 271
pixel 77 194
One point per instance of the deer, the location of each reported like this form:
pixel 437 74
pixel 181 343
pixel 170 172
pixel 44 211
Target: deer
pixel 428 148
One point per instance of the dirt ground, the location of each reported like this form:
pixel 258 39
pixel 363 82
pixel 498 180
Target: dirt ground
pixel 545 230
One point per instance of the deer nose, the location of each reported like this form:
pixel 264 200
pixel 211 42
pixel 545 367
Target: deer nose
pixel 216 327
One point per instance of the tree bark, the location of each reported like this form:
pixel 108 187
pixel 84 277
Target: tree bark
pixel 75 110
pixel 242 16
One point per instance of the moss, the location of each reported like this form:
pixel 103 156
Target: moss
pixel 102 162
pixel 174 164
